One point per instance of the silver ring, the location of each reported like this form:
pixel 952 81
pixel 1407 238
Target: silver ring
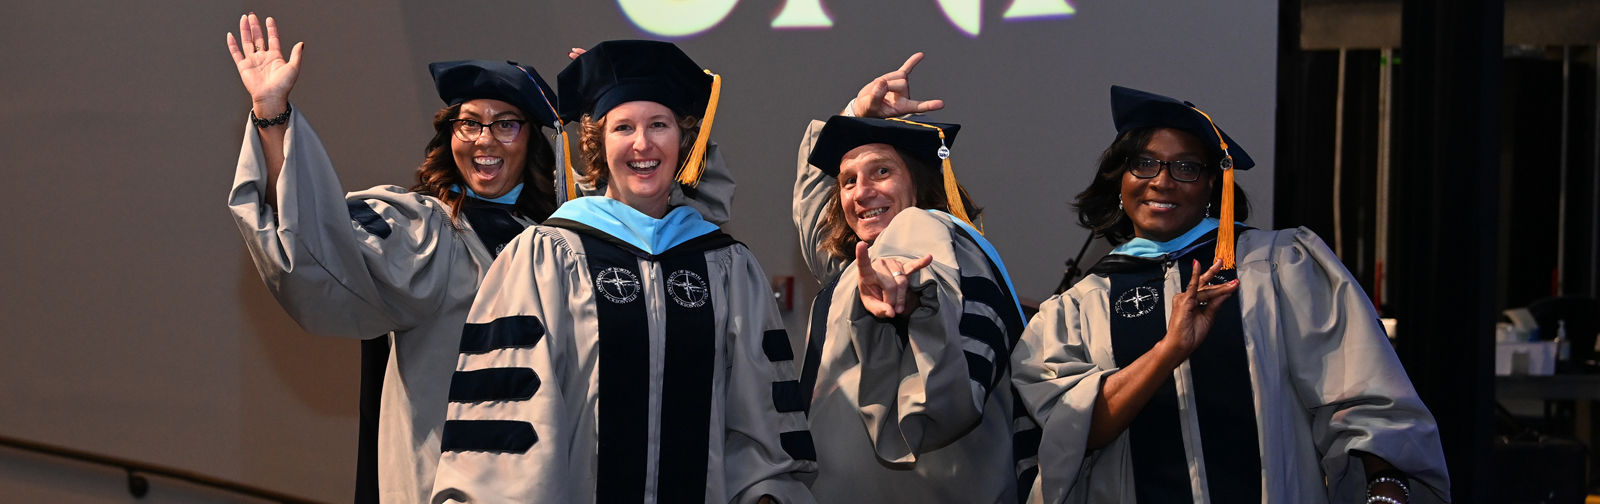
pixel 899 274
pixel 1203 303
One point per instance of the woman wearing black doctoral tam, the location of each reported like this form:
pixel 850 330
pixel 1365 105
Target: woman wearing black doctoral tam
pixel 905 371
pixel 388 259
pixel 626 350
pixel 1204 361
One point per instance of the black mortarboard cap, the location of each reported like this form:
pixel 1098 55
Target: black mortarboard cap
pixel 929 142
pixel 620 71
pixel 842 134
pixel 1132 108
pixel 519 85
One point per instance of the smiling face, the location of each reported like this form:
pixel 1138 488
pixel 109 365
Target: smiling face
pixel 642 142
pixel 1162 208
pixel 490 167
pixel 874 186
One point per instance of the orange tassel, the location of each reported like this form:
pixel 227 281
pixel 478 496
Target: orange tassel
pixel 952 189
pixel 695 164
pixel 566 159
pixel 1225 239
pixel 1225 231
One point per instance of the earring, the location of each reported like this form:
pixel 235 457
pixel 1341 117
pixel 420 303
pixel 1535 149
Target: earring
pixel 1208 209
pixel 1119 204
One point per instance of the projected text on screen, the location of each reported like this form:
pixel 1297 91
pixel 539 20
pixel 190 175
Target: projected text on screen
pixel 685 18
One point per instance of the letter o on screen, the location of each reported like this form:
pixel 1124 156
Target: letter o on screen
pixel 676 18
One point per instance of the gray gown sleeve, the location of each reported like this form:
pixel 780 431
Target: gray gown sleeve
pixel 381 260
pixel 925 390
pixel 524 320
pixel 763 451
pixel 1345 371
pixel 1059 382
pixel 811 190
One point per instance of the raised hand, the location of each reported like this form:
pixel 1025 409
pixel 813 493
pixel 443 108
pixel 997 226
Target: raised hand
pixel 262 68
pixel 889 95
pixel 1195 308
pixel 885 282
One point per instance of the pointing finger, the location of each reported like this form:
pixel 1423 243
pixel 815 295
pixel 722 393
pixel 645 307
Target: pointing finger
pixel 1194 277
pixel 905 69
pixel 1210 272
pixel 863 264
pixel 917 265
pixel 927 105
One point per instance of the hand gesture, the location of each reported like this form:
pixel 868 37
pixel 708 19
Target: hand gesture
pixel 266 75
pixel 1195 308
pixel 885 282
pixel 890 95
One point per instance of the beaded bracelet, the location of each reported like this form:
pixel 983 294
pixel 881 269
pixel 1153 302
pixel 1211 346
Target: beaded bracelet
pixel 1387 479
pixel 1379 498
pixel 268 123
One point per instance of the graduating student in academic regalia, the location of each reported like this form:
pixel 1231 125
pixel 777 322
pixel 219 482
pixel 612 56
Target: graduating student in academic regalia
pixel 1205 361
pixel 906 365
pixel 626 350
pixel 389 261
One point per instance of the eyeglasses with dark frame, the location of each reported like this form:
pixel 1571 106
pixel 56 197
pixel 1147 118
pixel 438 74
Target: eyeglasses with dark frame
pixel 504 130
pixel 1182 171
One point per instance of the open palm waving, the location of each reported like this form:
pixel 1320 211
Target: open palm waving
pixel 268 78
pixel 262 68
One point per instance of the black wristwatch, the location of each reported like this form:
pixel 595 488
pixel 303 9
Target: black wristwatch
pixel 268 123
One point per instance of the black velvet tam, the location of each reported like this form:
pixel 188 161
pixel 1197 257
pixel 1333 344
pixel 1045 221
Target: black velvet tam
pixel 620 71
pixel 519 85
pixel 1132 108
pixel 842 134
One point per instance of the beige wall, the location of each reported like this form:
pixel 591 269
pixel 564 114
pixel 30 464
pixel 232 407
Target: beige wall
pixel 131 319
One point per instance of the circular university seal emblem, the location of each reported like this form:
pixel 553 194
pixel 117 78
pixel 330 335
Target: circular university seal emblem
pixel 1138 301
pixel 687 288
pixel 617 285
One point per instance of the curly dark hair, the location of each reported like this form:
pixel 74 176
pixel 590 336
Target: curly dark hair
pixel 840 240
pixel 1098 206
pixel 439 172
pixel 592 146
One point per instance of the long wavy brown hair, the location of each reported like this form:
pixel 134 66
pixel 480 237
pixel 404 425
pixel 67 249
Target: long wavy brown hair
pixel 840 240
pixel 439 172
pixel 592 146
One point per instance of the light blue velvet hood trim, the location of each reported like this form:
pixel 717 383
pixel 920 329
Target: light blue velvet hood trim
pixel 621 221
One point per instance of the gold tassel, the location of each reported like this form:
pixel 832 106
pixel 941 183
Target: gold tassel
pixel 952 189
pixel 566 158
pixel 1225 238
pixel 695 164
pixel 1225 230
pixel 566 148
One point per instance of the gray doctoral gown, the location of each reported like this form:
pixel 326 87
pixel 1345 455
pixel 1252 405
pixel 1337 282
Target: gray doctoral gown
pixel 1325 382
pixel 921 413
pixel 382 260
pixel 597 372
